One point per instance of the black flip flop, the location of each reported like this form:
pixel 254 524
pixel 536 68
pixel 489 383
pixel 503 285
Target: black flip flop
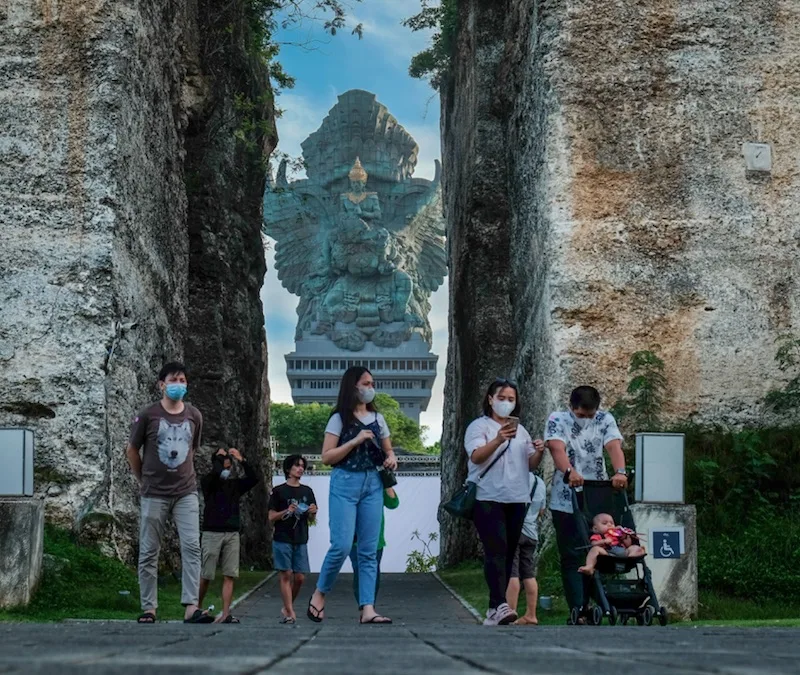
pixel 374 620
pixel 230 619
pixel 199 616
pixel 313 613
pixel 147 617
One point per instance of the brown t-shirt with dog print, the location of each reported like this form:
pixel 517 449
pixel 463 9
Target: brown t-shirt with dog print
pixel 168 443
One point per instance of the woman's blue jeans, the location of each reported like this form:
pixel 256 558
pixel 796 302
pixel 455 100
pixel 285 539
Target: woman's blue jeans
pixel 354 560
pixel 356 508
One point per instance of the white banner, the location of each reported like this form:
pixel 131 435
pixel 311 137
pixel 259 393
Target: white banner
pixel 419 503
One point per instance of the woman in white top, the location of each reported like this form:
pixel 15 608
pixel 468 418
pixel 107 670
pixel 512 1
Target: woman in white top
pixel 356 444
pixel 503 493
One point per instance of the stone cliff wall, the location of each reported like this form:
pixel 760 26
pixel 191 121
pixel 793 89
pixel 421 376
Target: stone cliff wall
pixel 599 201
pixel 104 259
pixel 225 184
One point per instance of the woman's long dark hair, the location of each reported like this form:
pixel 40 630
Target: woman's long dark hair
pixel 348 395
pixel 494 387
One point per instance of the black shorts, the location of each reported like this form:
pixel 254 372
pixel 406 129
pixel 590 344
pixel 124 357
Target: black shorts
pixel 524 565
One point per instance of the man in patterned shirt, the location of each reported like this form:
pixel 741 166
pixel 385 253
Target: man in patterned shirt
pixel 576 439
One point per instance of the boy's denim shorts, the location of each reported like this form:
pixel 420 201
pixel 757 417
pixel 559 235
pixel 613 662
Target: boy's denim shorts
pixel 288 557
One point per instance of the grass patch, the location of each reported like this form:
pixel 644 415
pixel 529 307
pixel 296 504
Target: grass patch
pixel 719 609
pixel 79 582
pixel 716 609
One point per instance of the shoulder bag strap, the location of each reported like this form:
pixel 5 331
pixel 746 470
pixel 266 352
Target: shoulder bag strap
pixel 533 491
pixel 494 461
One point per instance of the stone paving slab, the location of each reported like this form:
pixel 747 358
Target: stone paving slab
pixel 432 633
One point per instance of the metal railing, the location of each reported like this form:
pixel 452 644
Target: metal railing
pixel 407 465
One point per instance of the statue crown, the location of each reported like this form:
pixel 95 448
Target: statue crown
pixel 357 173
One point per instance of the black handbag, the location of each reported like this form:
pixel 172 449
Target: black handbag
pixel 462 503
pixel 387 477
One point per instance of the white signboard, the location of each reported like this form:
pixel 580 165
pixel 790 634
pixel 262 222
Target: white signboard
pixel 16 460
pixel 659 468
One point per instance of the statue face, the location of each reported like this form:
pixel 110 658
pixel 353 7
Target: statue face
pixel 357 186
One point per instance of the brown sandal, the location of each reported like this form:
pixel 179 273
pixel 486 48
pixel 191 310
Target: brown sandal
pixel 525 621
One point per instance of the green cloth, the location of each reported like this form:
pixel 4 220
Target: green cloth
pixel 389 503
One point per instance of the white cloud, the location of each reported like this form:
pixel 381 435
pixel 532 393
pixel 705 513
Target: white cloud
pixel 300 118
pixel 429 143
pixel 280 313
pixel 382 23
pixel 277 301
pixel 433 418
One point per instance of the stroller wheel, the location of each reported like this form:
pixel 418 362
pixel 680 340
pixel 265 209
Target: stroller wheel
pixel 596 616
pixel 662 616
pixel 624 619
pixel 647 616
pixel 574 615
pixel 613 615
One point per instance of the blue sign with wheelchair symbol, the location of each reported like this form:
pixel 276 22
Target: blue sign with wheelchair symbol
pixel 666 544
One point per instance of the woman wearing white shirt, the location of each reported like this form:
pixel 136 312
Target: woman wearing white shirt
pixel 356 444
pixel 503 493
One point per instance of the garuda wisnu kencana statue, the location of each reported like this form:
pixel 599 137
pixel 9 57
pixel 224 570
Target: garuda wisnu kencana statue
pixel 359 240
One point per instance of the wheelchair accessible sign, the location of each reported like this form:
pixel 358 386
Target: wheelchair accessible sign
pixel 666 542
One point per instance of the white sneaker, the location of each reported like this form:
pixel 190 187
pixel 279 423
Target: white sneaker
pixel 491 618
pixel 504 615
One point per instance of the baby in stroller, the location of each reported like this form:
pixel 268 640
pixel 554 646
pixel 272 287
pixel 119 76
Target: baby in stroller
pixel 608 539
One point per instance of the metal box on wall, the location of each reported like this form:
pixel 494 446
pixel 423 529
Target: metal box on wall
pixel 659 468
pixel 16 460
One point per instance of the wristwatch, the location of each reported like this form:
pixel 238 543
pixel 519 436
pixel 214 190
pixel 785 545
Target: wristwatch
pixel 622 472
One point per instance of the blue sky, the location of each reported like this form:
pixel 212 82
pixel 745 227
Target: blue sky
pixel 327 67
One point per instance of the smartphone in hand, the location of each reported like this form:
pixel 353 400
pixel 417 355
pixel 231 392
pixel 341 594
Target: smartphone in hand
pixel 512 423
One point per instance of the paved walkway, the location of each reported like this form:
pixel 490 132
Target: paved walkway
pixel 432 633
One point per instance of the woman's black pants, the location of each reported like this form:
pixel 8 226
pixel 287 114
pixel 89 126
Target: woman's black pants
pixel 499 526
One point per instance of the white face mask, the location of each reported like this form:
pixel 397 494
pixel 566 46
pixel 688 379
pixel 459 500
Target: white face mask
pixel 503 408
pixel 582 422
pixel 366 394
pixel 224 474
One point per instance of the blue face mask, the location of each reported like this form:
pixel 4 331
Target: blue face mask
pixel 175 391
pixel 225 473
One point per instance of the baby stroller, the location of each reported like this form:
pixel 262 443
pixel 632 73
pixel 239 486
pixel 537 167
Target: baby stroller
pixel 617 597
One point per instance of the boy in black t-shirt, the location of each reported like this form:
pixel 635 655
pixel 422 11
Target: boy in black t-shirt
pixel 291 507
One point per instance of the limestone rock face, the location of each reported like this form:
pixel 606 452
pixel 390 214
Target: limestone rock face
pixel 104 260
pixel 600 203
pixel 21 536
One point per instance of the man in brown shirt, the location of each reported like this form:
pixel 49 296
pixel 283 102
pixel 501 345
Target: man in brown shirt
pixel 168 433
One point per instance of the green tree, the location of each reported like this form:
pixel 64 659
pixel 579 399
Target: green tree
pixel 641 407
pixel 435 449
pixel 786 400
pixel 299 427
pixel 302 427
pixel 434 62
pixel 406 433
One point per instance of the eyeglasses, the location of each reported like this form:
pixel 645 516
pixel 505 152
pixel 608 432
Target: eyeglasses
pixel 504 381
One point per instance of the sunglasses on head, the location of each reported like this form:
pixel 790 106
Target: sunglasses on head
pixel 505 382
